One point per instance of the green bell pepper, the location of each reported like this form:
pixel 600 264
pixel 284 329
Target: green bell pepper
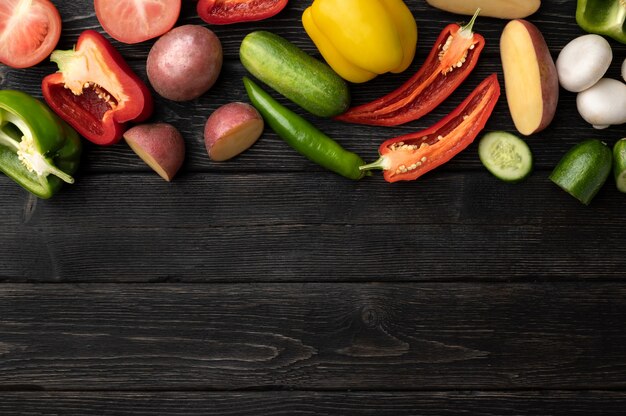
pixel 603 17
pixel 38 150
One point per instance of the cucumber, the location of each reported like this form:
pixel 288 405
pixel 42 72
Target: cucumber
pixel 619 164
pixel 506 156
pixel 583 169
pixel 310 83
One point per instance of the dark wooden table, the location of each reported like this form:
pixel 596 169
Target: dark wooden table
pixel 267 285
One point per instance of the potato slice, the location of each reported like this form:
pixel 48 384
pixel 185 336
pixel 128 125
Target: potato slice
pixel 232 129
pixel 530 77
pixel 159 145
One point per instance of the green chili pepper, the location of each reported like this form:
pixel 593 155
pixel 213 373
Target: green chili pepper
pixel 603 17
pixel 303 136
pixel 38 150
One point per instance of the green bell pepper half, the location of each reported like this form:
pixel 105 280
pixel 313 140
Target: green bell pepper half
pixel 38 150
pixel 603 17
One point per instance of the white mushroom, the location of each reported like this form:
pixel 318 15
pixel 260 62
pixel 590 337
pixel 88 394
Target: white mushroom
pixel 624 69
pixel 583 61
pixel 603 104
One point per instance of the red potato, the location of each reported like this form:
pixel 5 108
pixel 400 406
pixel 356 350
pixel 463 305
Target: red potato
pixel 184 63
pixel 530 76
pixel 159 145
pixel 232 129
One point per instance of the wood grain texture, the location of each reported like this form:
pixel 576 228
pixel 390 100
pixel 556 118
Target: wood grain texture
pixel 213 200
pixel 551 403
pixel 315 253
pixel 309 227
pixel 313 336
pixel 309 293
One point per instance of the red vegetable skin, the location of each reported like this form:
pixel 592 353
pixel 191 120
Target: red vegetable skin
pixel 29 31
pixel 134 21
pixel 408 157
pixel 450 61
pixel 223 12
pixel 95 91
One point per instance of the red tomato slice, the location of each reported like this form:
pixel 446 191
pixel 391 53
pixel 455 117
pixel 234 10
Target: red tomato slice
pixel 134 21
pixel 223 12
pixel 29 31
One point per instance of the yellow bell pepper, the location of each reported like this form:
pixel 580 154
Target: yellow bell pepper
pixel 360 39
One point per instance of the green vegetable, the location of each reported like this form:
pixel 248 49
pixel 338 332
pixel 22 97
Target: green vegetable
pixel 38 150
pixel 583 169
pixel 619 164
pixel 603 17
pixel 303 136
pixel 311 84
pixel 506 156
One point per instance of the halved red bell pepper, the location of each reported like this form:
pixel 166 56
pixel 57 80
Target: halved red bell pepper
pixel 408 157
pixel 223 12
pixel 450 61
pixel 95 90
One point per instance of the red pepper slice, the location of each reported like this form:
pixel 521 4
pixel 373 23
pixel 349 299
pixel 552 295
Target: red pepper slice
pixel 407 157
pixel 450 61
pixel 95 90
pixel 223 12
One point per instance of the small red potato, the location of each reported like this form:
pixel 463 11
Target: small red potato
pixel 184 63
pixel 159 145
pixel 231 129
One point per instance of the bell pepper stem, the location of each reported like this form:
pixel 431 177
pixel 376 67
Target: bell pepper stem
pixel 63 57
pixel 39 164
pixel 66 60
pixel 26 152
pixel 6 140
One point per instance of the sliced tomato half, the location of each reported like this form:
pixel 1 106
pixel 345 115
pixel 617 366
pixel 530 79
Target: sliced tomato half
pixel 223 12
pixel 29 31
pixel 134 21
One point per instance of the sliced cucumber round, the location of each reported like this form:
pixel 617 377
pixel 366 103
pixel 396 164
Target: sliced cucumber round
pixel 506 156
pixel 583 169
pixel 619 164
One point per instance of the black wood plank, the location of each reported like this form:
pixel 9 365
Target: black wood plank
pixel 313 336
pixel 302 227
pixel 281 227
pixel 587 403
pixel 211 200
pixel 319 252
